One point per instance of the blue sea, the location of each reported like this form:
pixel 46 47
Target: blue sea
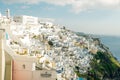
pixel 113 43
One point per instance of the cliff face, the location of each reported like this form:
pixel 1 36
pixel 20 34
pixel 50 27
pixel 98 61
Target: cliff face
pixel 104 66
pixel 72 53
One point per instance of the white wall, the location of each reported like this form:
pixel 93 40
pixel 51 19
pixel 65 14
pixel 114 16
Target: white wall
pixel 2 57
pixel 25 19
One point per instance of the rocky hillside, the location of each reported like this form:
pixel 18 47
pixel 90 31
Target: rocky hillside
pixel 104 66
pixel 72 53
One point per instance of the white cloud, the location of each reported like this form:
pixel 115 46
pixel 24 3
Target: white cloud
pixel 77 5
pixel 109 2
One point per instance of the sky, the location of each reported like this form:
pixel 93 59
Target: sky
pixel 88 16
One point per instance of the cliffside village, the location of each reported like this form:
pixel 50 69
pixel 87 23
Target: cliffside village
pixel 41 50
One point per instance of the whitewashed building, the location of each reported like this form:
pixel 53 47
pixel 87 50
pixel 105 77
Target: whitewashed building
pixel 25 19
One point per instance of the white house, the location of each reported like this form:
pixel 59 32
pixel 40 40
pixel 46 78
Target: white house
pixel 23 19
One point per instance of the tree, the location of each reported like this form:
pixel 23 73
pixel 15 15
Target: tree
pixel 50 43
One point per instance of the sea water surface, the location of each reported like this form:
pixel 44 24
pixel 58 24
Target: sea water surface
pixel 113 42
